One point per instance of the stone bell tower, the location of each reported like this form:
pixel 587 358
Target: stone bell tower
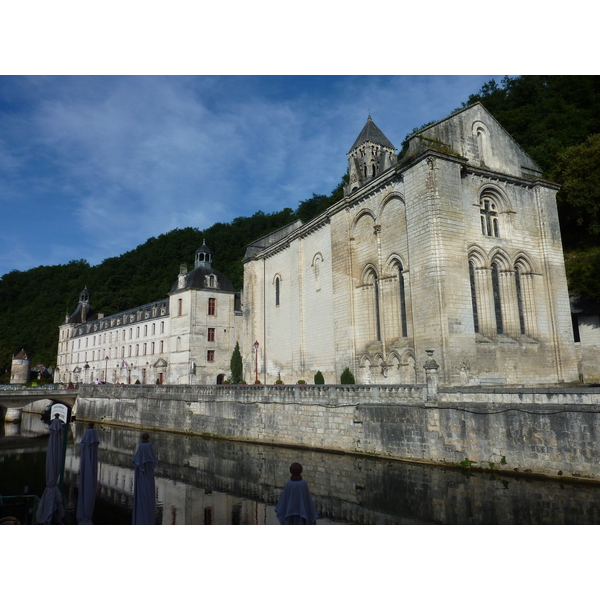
pixel 371 154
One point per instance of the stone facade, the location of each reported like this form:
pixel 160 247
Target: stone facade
pixel 186 338
pixel 454 249
pixel 20 371
pixel 541 430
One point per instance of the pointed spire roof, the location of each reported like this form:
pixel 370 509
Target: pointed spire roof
pixel 371 133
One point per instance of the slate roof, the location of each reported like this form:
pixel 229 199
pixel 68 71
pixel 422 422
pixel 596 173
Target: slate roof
pixel 196 279
pixel 371 133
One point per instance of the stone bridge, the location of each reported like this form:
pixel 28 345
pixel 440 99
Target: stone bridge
pixel 15 399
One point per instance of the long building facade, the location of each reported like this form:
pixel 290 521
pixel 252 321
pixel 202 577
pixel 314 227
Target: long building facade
pixel 186 338
pixel 452 252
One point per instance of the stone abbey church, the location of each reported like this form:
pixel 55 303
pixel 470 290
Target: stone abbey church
pixel 455 249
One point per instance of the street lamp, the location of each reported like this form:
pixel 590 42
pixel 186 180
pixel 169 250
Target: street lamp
pixel 105 368
pixel 256 349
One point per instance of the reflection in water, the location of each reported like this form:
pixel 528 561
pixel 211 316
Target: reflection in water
pixel 215 482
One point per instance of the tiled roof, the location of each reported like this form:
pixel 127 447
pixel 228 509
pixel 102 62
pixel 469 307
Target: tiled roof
pixel 371 133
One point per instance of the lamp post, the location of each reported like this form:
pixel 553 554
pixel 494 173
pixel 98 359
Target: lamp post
pixel 105 368
pixel 256 349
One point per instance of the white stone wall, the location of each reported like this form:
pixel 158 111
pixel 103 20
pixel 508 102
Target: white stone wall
pixel 190 359
pixel 131 347
pixel 426 216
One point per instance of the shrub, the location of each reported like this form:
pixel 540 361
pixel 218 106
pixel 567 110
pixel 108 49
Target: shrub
pixel 236 364
pixel 347 377
pixel 279 382
pixel 319 379
pixel 301 382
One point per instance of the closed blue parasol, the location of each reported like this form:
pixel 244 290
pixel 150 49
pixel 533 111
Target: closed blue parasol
pixel 51 504
pixel 88 476
pixel 144 499
pixel 296 506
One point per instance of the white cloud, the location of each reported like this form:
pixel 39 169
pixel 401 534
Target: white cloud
pixel 99 164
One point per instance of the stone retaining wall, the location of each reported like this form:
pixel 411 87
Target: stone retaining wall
pixel 542 430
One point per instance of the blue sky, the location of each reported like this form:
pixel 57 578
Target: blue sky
pixel 92 166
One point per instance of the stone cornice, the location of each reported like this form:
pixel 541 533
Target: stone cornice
pixel 375 186
pixel 520 181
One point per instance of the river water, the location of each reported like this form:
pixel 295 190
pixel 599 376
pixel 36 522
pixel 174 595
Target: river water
pixel 201 481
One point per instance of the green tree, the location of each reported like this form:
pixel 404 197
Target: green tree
pixel 578 172
pixel 236 366
pixel 583 272
pixel 347 377
pixel 319 379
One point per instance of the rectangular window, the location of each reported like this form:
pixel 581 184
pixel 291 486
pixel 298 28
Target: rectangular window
pixel 153 328
pixel 210 355
pixel 145 345
pixel 137 349
pixel 211 334
pixel 179 307
pixel 152 348
pixel 145 330
pixel 129 351
pixel 162 346
pixel 162 326
pixel 212 306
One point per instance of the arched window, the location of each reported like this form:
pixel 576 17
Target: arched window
pixel 375 283
pixel 488 210
pixel 277 291
pixel 474 296
pixel 497 299
pixel 402 301
pixel 520 300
